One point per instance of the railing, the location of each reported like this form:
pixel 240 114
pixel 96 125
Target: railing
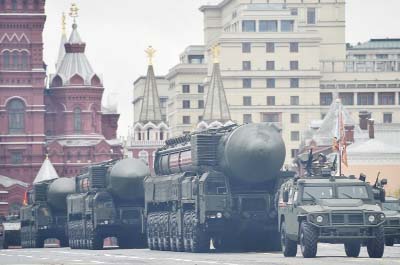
pixel 145 142
pixel 360 66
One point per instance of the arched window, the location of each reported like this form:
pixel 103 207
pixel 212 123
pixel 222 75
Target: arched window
pixel 36 3
pixel 161 134
pixel 6 59
pixel 24 60
pixel 14 4
pixel 25 4
pixel 15 59
pixel 79 156
pixel 16 116
pixel 77 120
pixel 149 133
pixel 1 3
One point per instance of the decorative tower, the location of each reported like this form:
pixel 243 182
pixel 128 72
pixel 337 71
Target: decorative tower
pixel 150 132
pixel 46 172
pixel 216 110
pixel 61 50
pixel 74 117
pixel 22 82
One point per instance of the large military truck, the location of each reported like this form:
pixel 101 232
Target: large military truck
pixel 391 208
pixel 12 231
pixel 217 184
pixel 109 202
pixel 1 234
pixel 45 215
pixel 329 209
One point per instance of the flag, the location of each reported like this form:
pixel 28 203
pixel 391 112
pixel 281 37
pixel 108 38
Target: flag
pixel 25 201
pixel 335 144
pixel 344 155
pixel 343 143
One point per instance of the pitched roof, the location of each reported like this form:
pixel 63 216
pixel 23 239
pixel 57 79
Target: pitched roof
pixel 46 172
pixel 61 50
pixel 216 106
pixel 8 182
pixel 377 44
pixel 150 110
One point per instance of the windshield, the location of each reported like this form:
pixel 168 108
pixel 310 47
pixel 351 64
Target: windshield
pixel 352 192
pixel 215 186
pixel 322 192
pixel 391 206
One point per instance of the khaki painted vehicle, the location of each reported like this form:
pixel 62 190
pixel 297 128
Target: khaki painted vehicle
pixel 330 210
pixel 391 208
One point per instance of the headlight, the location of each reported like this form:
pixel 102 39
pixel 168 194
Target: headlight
pixel 382 217
pixel 320 219
pixel 219 215
pixel 371 218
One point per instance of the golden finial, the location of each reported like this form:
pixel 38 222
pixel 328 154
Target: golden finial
pixel 74 12
pixel 216 51
pixel 47 156
pixel 64 24
pixel 150 54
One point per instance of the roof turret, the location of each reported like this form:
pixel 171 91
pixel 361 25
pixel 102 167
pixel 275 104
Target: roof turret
pixel 46 172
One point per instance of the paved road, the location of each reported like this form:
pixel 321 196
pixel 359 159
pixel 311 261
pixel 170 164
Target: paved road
pixel 327 255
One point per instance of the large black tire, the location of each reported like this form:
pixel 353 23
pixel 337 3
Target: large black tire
pixel 156 231
pixel 199 241
pixel 289 247
pixel 97 241
pixel 389 241
pixel 376 246
pixel 187 222
pixel 172 231
pixel 352 249
pixel 165 235
pixel 150 239
pixel 308 240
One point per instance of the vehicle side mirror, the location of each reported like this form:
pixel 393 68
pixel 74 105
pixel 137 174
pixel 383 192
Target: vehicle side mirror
pixel 384 182
pixel 285 196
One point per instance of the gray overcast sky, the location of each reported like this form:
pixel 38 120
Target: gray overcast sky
pixel 117 33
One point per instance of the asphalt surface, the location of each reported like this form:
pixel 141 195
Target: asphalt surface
pixel 327 254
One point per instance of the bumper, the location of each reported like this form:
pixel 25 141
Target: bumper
pixel 392 231
pixel 344 233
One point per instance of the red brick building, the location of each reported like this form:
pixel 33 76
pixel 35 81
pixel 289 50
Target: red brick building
pixel 66 120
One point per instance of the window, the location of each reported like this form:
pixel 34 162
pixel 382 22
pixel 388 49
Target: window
pixel 295 118
pixel 200 118
pixel 294 11
pixel 294 100
pixel 24 60
pixel 14 4
pixel 270 47
pixel 186 119
pixel 325 99
pixel 386 98
pixel 314 192
pixel 294 47
pixel 294 82
pixel 360 56
pixel 352 192
pixel 246 101
pixel 294 65
pixel 246 65
pixel 382 56
pixel 6 59
pixel 271 101
pixel 268 26
pixel 201 104
pixel 387 117
pixel 186 89
pixel 16 116
pixel 77 120
pixel 365 99
pixel 270 82
pixel 15 59
pixel 163 102
pixel 271 117
pixel 246 82
pixel 16 158
pixel 186 104
pixel 287 25
pixel 270 65
pixel 164 117
pixel 295 136
pixel 246 47
pixel 247 118
pixel 196 59
pixel 294 152
pixel 200 89
pixel 347 98
pixel 311 16
pixel 249 26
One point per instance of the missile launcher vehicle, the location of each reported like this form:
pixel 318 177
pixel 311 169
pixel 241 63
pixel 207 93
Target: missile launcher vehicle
pixel 391 208
pixel 45 215
pixel 108 202
pixel 219 185
pixel 12 231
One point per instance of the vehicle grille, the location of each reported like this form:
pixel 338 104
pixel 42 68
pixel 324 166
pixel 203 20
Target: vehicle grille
pixel 204 149
pixel 347 219
pixel 394 222
pixel 98 177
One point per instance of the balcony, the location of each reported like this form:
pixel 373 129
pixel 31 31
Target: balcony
pixel 360 66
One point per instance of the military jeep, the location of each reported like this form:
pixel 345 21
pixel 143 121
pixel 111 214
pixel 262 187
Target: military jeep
pixel 391 208
pixel 335 210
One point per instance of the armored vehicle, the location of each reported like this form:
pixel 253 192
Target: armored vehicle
pixel 217 184
pixel 12 231
pixel 109 203
pixel 45 215
pixel 391 208
pixel 1 234
pixel 324 208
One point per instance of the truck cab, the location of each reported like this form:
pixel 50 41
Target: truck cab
pixel 337 210
pixel 391 208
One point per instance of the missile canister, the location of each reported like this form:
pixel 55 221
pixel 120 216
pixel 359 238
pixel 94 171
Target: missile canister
pixel 58 191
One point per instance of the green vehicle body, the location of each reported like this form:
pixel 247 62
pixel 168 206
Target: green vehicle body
pixel 391 208
pixel 109 202
pixel 11 231
pixel 330 210
pixel 200 191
